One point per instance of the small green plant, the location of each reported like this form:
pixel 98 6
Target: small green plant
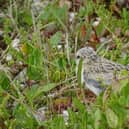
pixel 41 65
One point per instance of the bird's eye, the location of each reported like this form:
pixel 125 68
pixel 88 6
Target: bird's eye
pixel 78 57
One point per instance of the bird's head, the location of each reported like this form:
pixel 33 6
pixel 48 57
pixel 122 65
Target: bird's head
pixel 87 54
pixel 84 57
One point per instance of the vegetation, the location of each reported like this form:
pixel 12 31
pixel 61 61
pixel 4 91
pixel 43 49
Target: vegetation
pixel 38 43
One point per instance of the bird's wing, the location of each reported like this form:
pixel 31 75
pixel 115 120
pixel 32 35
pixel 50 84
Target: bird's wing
pixel 110 66
pixel 94 83
pixel 94 86
pixel 91 80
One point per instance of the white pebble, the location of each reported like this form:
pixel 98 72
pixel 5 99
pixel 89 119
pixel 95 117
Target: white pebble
pixel 8 57
pixel 66 116
pixel 15 43
pixel 71 16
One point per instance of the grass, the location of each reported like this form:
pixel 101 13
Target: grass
pixel 41 71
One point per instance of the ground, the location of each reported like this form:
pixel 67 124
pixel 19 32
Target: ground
pixel 38 84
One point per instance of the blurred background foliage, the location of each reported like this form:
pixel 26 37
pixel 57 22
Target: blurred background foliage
pixel 38 42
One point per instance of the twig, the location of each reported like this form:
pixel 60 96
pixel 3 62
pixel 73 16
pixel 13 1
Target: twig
pixel 76 40
pixel 10 15
pixel 36 29
pixel 67 47
pixel 126 77
pixel 103 44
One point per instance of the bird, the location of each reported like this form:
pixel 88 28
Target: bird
pixel 97 72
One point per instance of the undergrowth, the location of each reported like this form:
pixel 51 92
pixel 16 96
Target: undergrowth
pixel 37 64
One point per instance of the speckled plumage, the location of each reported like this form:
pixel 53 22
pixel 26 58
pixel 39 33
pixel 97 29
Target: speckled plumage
pixel 96 69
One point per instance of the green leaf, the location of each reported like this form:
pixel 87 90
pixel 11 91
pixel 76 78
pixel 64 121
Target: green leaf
pixel 119 111
pixel 112 118
pixel 54 13
pixel 81 116
pixel 97 117
pixel 34 61
pixel 61 63
pixel 125 89
pixel 3 110
pixel 60 13
pixel 47 87
pixel 25 17
pixel 36 91
pixel 56 123
pixel 79 72
pixel 4 80
pixel 23 117
pixel 81 107
pixel 55 39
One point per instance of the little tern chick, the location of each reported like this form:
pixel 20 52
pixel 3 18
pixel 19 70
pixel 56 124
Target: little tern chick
pixel 97 70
